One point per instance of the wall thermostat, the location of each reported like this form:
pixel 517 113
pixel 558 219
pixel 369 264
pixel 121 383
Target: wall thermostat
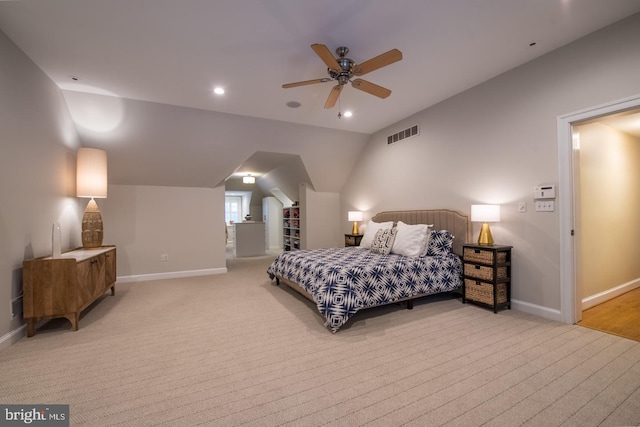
pixel 544 191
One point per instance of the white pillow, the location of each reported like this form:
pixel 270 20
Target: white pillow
pixel 411 240
pixel 371 230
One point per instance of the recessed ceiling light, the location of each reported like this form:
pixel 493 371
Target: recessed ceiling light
pixel 218 91
pixel 74 78
pixel 532 44
pixel 348 113
pixel 293 104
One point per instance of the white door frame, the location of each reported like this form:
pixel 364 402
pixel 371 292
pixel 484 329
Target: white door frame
pixel 570 306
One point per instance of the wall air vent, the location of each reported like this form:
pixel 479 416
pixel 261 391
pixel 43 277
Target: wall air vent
pixel 403 134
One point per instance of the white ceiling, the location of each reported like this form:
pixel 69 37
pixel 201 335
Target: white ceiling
pixel 628 122
pixel 176 51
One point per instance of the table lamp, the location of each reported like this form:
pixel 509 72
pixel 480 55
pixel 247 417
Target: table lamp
pixel 355 216
pixel 91 181
pixel 485 214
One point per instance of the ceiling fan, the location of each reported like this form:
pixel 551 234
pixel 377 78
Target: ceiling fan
pixel 343 69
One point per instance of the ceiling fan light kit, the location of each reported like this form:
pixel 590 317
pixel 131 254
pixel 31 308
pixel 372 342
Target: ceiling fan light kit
pixel 343 69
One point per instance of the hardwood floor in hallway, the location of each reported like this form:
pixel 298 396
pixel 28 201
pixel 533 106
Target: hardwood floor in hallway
pixel 619 316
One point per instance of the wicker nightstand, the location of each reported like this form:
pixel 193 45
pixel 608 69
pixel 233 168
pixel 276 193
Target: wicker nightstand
pixel 352 239
pixel 487 275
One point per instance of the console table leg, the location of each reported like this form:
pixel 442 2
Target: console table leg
pixel 73 319
pixel 31 327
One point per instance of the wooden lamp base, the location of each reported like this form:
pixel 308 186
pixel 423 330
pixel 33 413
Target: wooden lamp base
pixel 92 231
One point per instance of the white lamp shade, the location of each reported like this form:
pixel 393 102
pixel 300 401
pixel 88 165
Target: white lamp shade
pixel 485 213
pixel 355 216
pixel 91 173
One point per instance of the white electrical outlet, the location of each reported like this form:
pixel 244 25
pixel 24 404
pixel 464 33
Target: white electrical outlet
pixel 164 257
pixel 545 206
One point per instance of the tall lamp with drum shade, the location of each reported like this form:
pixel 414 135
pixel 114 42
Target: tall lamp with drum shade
pixel 91 182
pixel 485 214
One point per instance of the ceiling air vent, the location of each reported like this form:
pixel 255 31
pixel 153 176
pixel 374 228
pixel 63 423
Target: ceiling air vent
pixel 403 134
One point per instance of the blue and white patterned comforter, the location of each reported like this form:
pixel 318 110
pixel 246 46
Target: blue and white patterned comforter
pixel 342 281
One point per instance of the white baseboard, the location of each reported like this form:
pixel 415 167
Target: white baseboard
pixel 170 275
pixel 538 310
pixel 12 337
pixel 601 297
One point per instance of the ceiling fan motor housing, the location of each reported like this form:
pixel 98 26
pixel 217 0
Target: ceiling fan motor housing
pixel 346 64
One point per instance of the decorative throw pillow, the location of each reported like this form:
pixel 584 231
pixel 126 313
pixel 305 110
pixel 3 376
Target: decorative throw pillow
pixel 383 240
pixel 371 230
pixel 440 243
pixel 411 240
pixel 425 249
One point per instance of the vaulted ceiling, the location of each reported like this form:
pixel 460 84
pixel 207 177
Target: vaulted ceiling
pixel 152 61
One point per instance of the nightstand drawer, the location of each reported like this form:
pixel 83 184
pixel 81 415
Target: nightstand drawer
pixel 484 256
pixel 483 292
pixel 352 239
pixel 484 273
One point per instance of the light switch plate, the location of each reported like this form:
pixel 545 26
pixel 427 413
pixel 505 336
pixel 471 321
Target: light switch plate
pixel 522 207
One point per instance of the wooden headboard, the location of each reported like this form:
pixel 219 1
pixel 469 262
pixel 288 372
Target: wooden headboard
pixel 456 222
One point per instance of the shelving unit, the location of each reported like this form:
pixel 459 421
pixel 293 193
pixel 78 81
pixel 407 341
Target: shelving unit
pixel 291 228
pixel 487 275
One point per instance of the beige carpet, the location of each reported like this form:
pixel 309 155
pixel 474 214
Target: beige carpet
pixel 235 349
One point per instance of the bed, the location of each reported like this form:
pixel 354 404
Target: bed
pixel 343 281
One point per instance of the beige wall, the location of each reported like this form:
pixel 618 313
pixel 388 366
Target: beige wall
pixel 320 223
pixel 202 148
pixel 493 144
pixel 608 234
pixel 37 173
pixel 147 221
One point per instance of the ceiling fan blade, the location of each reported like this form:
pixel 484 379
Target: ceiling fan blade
pixel 306 82
pixel 373 89
pixel 333 96
pixel 327 57
pixel 394 55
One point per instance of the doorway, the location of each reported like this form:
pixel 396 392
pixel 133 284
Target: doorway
pixel 236 207
pixel 573 296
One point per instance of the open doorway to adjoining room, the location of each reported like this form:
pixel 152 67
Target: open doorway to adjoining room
pixel 236 208
pixel 607 200
pixel 599 161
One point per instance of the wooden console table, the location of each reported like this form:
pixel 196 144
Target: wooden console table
pixel 64 286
